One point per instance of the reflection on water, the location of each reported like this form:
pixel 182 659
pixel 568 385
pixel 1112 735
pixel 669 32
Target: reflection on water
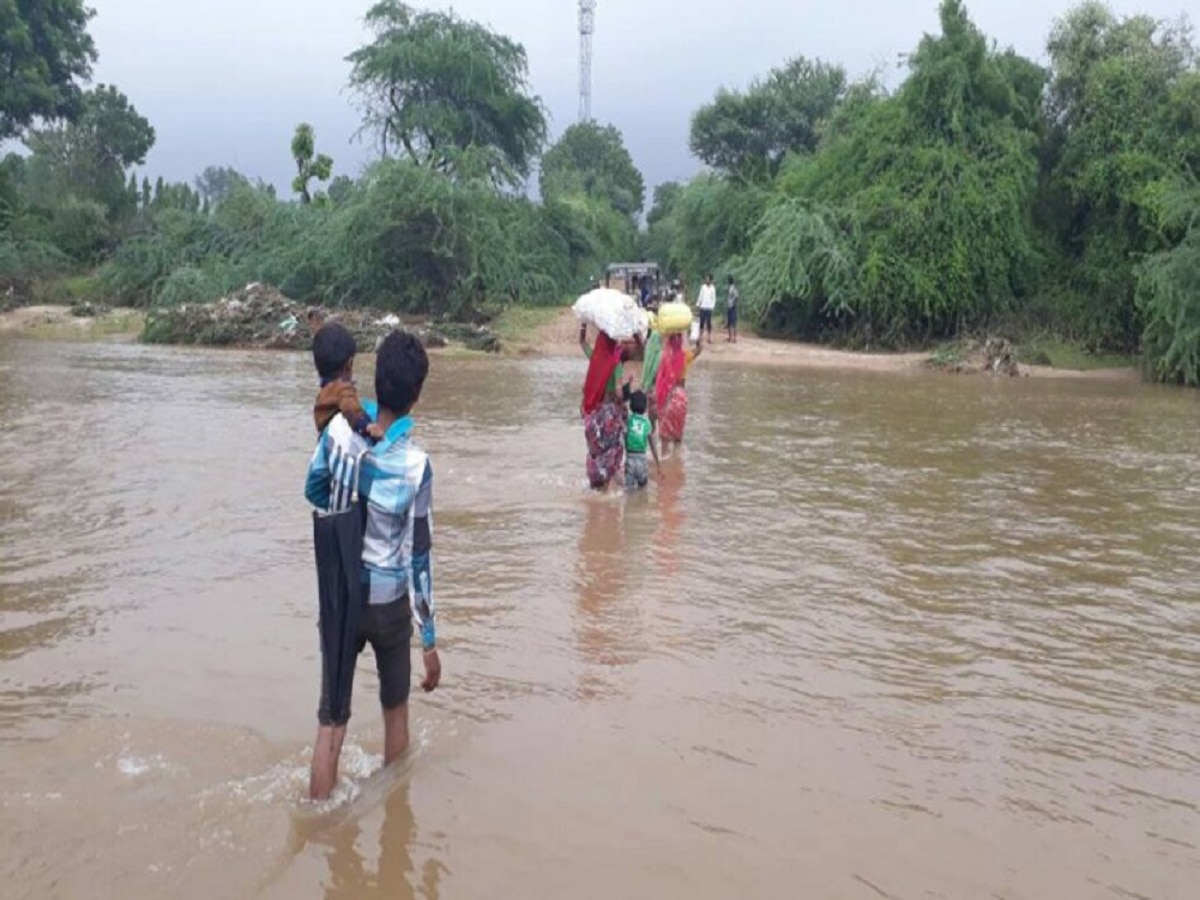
pixel 375 859
pixel 862 637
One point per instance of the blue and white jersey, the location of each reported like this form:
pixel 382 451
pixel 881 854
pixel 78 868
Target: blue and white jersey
pixel 395 480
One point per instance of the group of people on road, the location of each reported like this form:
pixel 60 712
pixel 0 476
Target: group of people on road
pixel 622 422
pixel 371 487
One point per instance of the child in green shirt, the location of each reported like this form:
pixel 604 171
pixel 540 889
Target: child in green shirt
pixel 639 435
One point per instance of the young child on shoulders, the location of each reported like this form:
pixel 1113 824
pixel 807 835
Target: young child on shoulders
pixel 334 350
pixel 639 436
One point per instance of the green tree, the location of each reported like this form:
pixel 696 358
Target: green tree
pixel 309 164
pixel 749 133
pixel 434 85
pixel 915 218
pixel 660 234
pixel 88 158
pixel 45 53
pixel 592 160
pixel 1120 119
pixel 216 183
pixel 76 176
pixel 712 223
pixel 1169 286
pixel 340 189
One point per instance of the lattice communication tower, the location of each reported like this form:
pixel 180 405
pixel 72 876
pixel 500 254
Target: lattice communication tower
pixel 587 26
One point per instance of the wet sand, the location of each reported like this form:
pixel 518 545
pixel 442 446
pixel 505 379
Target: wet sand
pixel 57 323
pixel 561 338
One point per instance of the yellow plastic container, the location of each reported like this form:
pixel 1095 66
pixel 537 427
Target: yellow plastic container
pixel 674 318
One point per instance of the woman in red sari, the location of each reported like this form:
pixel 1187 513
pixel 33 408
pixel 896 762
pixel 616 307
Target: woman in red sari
pixel 670 389
pixel 603 414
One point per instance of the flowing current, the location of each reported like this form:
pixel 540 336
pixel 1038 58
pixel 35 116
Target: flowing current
pixel 868 636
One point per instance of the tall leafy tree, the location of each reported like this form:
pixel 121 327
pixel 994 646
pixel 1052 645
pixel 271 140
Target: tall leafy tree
pixel 45 55
pixel 216 183
pixel 749 133
pixel 1169 287
pixel 310 165
pixel 592 160
pixel 915 219
pixel 1121 111
pixel 434 86
pixel 88 158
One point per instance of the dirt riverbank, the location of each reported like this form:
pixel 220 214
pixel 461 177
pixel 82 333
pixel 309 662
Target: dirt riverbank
pixel 555 333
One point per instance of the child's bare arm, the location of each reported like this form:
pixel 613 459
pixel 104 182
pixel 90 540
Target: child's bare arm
pixel 351 408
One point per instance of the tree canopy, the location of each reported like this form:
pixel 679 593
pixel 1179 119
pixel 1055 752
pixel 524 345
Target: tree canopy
pixel 433 85
pixel 75 179
pixel 1123 103
pixel 216 183
pixel 46 54
pixel 591 159
pixel 749 134
pixel 310 165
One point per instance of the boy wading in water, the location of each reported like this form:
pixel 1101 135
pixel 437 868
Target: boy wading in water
pixel 395 482
pixel 639 434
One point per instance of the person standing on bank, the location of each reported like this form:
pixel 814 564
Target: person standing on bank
pixel 395 480
pixel 731 311
pixel 706 303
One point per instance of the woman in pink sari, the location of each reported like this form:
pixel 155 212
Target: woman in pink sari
pixel 670 389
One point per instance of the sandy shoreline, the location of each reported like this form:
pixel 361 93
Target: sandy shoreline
pixel 57 323
pixel 559 337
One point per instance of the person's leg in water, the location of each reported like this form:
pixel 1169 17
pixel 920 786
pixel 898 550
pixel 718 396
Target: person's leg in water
pixel 326 751
pixel 391 637
pixel 395 733
pixel 637 473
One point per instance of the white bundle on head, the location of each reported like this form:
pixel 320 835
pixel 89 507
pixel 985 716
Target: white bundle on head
pixel 614 313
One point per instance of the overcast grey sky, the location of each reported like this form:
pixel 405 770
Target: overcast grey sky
pixel 226 81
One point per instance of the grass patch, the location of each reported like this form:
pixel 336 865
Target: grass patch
pixel 948 355
pixel 518 326
pixel 1064 355
pixel 118 323
pixel 66 291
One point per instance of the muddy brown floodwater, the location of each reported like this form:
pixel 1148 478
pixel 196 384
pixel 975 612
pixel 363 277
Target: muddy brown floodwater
pixel 901 637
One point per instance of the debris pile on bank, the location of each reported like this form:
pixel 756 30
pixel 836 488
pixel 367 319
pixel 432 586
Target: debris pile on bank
pixel 86 309
pixel 259 316
pixel 994 356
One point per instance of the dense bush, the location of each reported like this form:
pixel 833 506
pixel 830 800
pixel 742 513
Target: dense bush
pixel 985 190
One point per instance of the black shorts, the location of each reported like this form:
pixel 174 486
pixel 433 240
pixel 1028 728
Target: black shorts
pixel 731 317
pixel 706 320
pixel 388 627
